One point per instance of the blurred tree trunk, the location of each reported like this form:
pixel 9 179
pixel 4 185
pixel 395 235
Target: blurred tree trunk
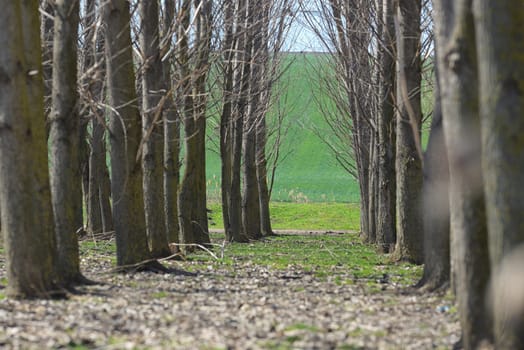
pixel 25 198
pixel 386 226
pixel 125 135
pixel 500 53
pixel 410 237
pixel 436 203
pixel 171 134
pixel 153 98
pixel 457 66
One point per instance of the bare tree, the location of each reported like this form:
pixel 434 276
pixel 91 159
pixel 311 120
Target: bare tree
pixel 192 69
pixel 125 137
pixel 66 185
pixel 154 95
pixel 92 93
pixel 410 240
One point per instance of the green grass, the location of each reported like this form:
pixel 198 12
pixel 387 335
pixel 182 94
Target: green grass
pixel 309 171
pixel 342 257
pixel 304 216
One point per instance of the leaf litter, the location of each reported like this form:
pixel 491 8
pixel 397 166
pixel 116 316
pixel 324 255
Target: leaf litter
pixel 240 305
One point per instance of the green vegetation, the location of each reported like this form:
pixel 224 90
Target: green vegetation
pixel 308 171
pixel 326 256
pixel 304 216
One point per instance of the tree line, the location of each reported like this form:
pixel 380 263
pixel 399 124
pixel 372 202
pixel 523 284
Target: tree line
pixel 456 207
pixel 104 112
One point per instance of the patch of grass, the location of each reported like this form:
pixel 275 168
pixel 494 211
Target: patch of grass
pixel 304 216
pixel 325 256
pixel 160 295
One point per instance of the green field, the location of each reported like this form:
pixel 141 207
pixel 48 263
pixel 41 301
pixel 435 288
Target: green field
pixel 309 172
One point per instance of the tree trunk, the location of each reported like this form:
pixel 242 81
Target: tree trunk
pixel 171 138
pixel 97 190
pixel 46 32
pixel 436 204
pixel 204 28
pixel 192 198
pixel 250 194
pixel 457 65
pixel 226 121
pixel 408 161
pixel 240 72
pixel 500 45
pixel 125 135
pixel 370 192
pixel 25 199
pixel 386 229
pixel 66 182
pixel 152 128
pixel 261 126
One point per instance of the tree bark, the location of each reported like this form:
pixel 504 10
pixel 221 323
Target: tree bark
pixel 457 64
pixel 250 194
pixel 500 47
pixel 66 181
pixel 240 72
pixel 435 194
pixel 125 135
pixel 25 198
pixel 408 160
pixel 152 128
pixel 171 137
pixel 386 229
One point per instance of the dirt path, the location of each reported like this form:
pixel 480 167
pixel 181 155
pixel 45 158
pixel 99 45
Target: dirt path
pixel 239 307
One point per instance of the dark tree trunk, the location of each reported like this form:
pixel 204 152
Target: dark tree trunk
pixel 66 180
pixel 408 166
pixel 171 138
pixel 386 229
pixel 125 135
pixel 152 128
pixel 25 198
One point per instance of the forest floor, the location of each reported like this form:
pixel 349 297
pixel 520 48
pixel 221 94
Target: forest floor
pixel 313 292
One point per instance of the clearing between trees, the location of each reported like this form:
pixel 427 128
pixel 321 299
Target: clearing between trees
pixel 292 291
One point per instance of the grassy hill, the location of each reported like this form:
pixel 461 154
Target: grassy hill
pixel 308 171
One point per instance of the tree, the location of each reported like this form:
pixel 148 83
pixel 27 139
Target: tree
pixel 499 41
pixel 193 66
pixel 386 229
pixel 435 195
pixel 153 99
pixel 125 136
pixel 98 188
pixel 25 201
pixel 66 185
pixel 409 118
pixel 171 132
pixel 457 67
pixel 250 104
